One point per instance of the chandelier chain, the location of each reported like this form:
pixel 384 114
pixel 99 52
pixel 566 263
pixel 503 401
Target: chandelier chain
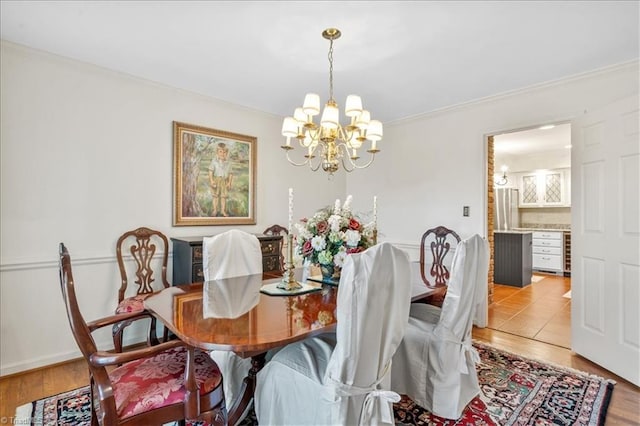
pixel 330 55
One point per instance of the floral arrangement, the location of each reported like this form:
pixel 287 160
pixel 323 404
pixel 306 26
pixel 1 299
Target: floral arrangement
pixel 331 234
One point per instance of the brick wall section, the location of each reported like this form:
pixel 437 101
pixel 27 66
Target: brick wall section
pixel 490 206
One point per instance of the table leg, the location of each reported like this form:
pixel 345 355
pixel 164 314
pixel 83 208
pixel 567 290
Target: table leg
pixel 247 390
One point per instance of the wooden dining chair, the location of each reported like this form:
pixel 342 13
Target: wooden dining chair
pixel 437 242
pixel 437 247
pixel 150 386
pixel 149 250
pixel 435 363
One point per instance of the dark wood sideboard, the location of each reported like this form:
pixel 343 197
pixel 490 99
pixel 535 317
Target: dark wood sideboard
pixel 187 258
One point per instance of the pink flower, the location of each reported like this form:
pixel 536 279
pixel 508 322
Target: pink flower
pixel 307 248
pixel 354 250
pixel 322 227
pixel 354 224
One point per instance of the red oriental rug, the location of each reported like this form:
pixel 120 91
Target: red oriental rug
pixel 521 391
pixel 515 391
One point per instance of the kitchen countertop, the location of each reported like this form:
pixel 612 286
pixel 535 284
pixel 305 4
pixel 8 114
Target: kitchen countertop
pixel 543 229
pixel 511 231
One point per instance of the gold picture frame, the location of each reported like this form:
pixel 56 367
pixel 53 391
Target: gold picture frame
pixel 214 176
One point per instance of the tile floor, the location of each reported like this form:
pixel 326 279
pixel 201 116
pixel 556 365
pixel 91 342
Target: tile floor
pixel 538 311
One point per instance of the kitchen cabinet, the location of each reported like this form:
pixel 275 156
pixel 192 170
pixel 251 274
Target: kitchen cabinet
pixel 512 263
pixel 545 188
pixel 548 251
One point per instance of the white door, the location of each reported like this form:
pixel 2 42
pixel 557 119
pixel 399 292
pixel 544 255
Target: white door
pixel 605 266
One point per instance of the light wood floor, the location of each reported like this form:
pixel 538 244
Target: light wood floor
pixel 538 311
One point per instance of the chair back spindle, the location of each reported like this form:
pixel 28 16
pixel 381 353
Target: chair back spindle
pixel 438 241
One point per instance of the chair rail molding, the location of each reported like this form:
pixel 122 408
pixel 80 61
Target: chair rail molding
pixel 30 264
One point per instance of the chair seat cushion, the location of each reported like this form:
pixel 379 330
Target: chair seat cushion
pixel 155 382
pixel 425 312
pixel 132 304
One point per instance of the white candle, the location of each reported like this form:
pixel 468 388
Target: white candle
pixel 290 209
pixel 375 212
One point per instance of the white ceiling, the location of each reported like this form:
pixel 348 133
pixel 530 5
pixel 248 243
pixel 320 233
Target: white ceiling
pixel 533 140
pixel 534 148
pixel 403 57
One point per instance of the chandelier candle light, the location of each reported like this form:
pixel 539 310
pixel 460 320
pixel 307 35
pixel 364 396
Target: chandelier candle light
pixel 330 142
pixel 288 281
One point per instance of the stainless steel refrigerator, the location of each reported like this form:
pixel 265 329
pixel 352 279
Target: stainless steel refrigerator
pixel 506 209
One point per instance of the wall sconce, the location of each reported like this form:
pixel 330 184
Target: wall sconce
pixel 503 180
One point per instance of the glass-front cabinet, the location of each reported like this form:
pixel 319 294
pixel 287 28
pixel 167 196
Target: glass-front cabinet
pixel 545 188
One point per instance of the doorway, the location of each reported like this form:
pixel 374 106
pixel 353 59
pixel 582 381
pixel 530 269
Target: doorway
pixel 535 163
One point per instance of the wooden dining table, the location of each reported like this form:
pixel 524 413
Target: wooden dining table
pixel 233 315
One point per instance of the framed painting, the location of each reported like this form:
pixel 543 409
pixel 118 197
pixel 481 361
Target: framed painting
pixel 214 176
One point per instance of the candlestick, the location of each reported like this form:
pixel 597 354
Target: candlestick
pixel 288 281
pixel 375 211
pixel 375 219
pixel 290 209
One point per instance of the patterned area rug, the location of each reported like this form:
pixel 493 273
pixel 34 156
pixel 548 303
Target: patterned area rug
pixel 515 391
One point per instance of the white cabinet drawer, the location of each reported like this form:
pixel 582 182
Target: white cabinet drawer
pixel 547 235
pixel 546 243
pixel 547 250
pixel 550 262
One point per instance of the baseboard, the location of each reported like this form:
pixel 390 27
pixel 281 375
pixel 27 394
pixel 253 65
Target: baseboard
pixel 60 358
pixel 549 272
pixel 35 363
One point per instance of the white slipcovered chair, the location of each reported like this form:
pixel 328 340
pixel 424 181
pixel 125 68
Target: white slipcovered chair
pixel 435 363
pixel 342 378
pixel 231 254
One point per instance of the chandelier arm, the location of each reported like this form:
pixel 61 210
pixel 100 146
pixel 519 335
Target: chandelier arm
pixel 305 162
pixel 344 166
pixel 320 156
pixel 356 166
pixel 315 169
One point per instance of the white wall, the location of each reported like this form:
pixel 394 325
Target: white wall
pixel 435 164
pixel 86 154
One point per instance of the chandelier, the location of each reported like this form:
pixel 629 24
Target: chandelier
pixel 329 144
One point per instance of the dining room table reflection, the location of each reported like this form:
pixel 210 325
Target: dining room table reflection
pixel 232 314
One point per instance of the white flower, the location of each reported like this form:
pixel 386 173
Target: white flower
pixel 352 238
pixel 346 207
pixel 336 209
pixel 318 243
pixel 367 230
pixel 334 222
pixel 339 257
pixel 303 232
